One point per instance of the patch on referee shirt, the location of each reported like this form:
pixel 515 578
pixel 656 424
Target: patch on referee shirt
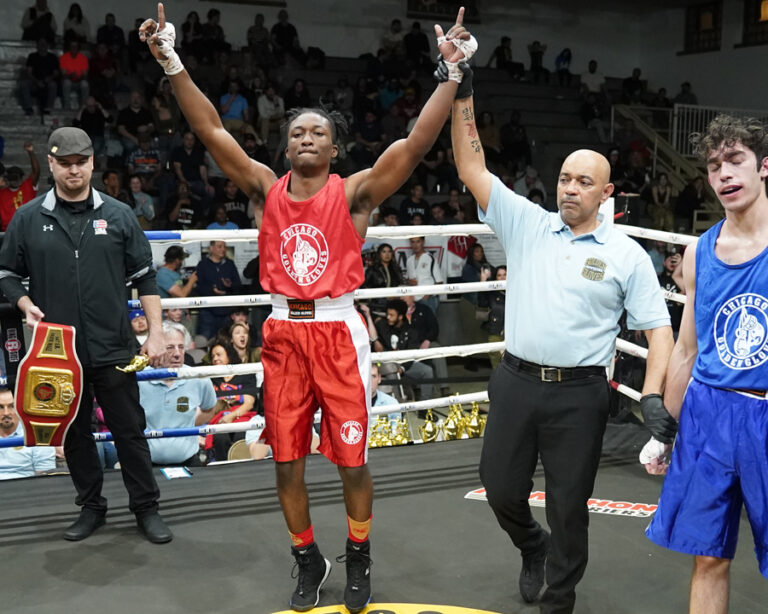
pixel 594 269
pixel 182 404
pixel 301 310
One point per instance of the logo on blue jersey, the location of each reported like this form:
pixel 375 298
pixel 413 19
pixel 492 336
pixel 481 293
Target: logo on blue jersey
pixel 741 331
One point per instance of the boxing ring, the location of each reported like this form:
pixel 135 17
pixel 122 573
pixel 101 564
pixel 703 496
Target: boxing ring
pixel 434 544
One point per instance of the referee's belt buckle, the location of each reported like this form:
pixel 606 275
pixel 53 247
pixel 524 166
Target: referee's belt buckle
pixel 301 310
pixel 551 374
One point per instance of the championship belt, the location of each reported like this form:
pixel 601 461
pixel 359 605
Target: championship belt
pixel 49 385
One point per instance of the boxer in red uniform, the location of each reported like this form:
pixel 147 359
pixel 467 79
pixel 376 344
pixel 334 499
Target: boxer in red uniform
pixel 316 347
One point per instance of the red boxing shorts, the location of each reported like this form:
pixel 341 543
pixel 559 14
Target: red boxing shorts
pixel 317 354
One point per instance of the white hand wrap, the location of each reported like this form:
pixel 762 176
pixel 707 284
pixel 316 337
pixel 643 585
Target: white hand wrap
pixel 166 40
pixel 467 47
pixel 652 450
pixel 454 72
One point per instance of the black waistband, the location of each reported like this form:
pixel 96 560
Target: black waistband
pixel 552 374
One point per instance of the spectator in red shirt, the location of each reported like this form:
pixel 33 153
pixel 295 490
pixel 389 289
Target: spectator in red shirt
pixel 74 73
pixel 19 190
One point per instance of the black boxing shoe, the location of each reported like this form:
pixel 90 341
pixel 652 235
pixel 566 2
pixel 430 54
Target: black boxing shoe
pixel 312 570
pixel 154 528
pixel 532 574
pixel 357 593
pixel 88 521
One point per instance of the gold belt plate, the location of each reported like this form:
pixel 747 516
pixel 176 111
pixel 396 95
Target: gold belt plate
pixel 48 392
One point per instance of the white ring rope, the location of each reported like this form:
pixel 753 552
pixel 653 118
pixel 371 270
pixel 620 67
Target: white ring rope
pixel 656 235
pixel 239 300
pixel 628 392
pixel 631 349
pixel 397 232
pixel 398 356
pixel 257 422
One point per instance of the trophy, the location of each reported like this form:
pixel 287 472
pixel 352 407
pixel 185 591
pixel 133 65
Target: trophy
pixel 483 419
pixel 400 432
pixel 406 426
pixel 138 363
pixel 452 427
pixel 386 435
pixel 428 430
pixel 474 424
pixel 381 433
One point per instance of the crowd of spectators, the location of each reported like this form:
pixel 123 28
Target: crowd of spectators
pixel 126 105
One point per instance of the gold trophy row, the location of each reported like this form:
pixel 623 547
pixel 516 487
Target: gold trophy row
pixel 457 425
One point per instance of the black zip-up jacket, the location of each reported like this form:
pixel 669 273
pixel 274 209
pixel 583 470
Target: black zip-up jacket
pixel 81 283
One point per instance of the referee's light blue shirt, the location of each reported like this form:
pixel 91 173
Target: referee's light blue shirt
pixel 565 294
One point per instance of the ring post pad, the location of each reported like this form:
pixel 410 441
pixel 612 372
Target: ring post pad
pixel 49 385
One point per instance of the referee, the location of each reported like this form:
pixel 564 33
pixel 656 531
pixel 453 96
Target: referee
pixel 571 277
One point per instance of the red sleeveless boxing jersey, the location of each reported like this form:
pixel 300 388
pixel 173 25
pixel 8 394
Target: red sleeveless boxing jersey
pixel 309 249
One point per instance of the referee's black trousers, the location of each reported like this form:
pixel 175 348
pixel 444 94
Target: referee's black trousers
pixel 118 396
pixel 564 423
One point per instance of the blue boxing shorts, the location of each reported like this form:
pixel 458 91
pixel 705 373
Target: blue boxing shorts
pixel 720 461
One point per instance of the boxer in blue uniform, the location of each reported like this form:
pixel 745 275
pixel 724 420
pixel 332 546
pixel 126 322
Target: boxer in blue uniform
pixel 718 373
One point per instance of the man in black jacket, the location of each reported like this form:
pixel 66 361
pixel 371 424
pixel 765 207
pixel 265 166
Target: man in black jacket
pixel 397 333
pixel 79 248
pixel 424 323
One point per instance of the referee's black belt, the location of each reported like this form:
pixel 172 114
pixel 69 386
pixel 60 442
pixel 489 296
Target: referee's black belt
pixel 551 374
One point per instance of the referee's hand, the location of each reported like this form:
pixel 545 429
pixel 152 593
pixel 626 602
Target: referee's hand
pixel 657 419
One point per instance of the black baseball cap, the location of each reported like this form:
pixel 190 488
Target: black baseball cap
pixel 69 141
pixel 175 252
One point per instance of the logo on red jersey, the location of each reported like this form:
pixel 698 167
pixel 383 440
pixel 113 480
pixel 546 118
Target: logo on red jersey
pixel 304 253
pixel 351 432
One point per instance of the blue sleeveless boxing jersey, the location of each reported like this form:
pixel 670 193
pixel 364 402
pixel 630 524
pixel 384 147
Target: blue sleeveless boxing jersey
pixel 731 312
